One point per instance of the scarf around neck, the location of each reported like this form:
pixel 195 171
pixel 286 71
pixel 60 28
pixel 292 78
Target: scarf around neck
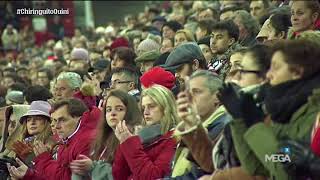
pixel 150 133
pixel 283 100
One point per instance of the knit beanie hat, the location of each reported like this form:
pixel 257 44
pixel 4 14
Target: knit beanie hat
pixel 119 42
pixel 19 110
pixel 15 97
pixel 79 54
pixel 148 45
pixel 158 75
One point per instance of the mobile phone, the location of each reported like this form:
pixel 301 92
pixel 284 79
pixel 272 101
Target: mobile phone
pixel 187 86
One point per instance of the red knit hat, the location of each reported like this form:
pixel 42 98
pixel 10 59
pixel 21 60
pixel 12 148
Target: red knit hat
pixel 119 42
pixel 158 75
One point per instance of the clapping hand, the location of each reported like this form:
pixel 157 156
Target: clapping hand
pixel 122 132
pixel 22 149
pixel 39 148
pixel 82 165
pixel 17 172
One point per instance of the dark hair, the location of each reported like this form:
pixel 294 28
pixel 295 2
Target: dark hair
pixel 105 135
pixel 266 3
pixel 229 26
pixel 280 22
pixel 37 93
pixel 206 25
pixel 300 53
pixel 47 71
pixel 18 86
pixel 174 25
pixel 232 8
pixel 129 72
pixel 126 54
pixel 215 14
pixel 75 107
pixel 262 54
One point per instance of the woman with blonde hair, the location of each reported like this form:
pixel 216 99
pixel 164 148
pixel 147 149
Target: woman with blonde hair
pixel 183 35
pixel 154 147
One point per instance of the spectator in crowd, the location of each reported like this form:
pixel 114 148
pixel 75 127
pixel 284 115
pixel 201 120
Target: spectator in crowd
pixel 170 28
pixel 10 38
pixel 101 69
pixel 203 85
pixel 248 27
pixel 223 41
pixel 288 76
pixel 127 80
pixel 259 8
pixel 122 57
pixel 44 77
pixel 154 146
pixel 227 13
pixel 204 29
pixel 274 28
pixel 23 74
pixel 66 85
pixel 184 60
pixel 157 75
pixel 204 45
pixel 118 106
pixel 146 60
pixel 307 20
pixel 236 58
pixel 14 97
pixel 166 45
pixel 207 14
pixel 35 127
pixel 36 93
pixel 182 36
pixel 79 60
pixel 147 45
pixel 72 122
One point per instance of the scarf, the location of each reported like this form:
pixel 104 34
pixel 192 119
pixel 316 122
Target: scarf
pixel 150 134
pixel 282 100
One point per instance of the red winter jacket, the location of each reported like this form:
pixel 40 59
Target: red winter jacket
pixel 315 144
pixel 133 161
pixel 47 168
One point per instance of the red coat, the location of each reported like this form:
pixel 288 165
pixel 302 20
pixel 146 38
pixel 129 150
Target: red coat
pixel 133 161
pixel 315 144
pixel 47 168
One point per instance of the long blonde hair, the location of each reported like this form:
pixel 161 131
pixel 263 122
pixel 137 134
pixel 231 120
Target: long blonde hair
pixel 20 133
pixel 165 99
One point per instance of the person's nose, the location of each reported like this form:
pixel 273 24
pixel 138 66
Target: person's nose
pixel 269 74
pixel 146 111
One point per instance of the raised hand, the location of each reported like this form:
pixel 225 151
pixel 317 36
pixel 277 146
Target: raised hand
pixel 185 110
pixel 122 132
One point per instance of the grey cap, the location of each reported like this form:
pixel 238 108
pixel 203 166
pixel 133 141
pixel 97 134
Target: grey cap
pixel 184 53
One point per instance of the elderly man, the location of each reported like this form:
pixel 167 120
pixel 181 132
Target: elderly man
pixel 67 84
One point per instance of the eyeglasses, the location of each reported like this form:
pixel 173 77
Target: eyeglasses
pixel 118 82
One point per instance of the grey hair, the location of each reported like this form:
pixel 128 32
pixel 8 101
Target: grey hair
pixel 213 82
pixel 73 79
pixel 251 24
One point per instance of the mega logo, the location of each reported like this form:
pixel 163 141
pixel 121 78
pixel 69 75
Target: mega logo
pixel 277 158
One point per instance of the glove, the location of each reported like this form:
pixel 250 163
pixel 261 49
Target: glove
pixel 21 149
pixel 239 104
pixel 229 96
pixel 303 161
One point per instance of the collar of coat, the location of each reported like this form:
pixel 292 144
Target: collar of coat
pixel 66 140
pixel 217 113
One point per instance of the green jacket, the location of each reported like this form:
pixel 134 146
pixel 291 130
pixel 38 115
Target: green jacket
pixel 252 144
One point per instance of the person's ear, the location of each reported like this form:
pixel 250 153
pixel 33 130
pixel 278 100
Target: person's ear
pixel 131 85
pixel 231 41
pixel 314 17
pixel 297 72
pixel 281 35
pixel 195 64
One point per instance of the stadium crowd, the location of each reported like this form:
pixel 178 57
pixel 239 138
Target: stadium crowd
pixel 210 90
